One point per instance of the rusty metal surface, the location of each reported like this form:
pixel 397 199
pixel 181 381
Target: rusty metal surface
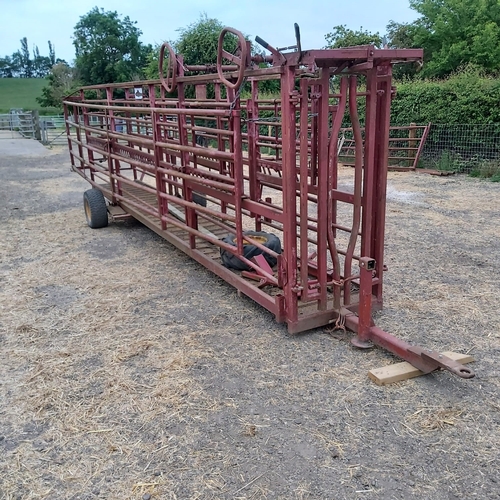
pixel 262 164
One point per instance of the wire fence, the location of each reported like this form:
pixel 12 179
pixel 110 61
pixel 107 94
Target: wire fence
pixel 473 149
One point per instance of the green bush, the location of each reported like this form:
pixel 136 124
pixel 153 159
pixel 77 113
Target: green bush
pixel 487 170
pixel 466 97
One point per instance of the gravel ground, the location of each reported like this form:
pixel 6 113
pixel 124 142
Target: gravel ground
pixel 129 371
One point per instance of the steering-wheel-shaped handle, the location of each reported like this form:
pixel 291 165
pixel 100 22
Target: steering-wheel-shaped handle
pixel 239 60
pixel 170 81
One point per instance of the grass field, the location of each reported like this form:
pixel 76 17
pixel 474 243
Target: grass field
pixel 22 93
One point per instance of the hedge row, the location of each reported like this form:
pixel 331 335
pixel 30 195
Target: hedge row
pixel 466 97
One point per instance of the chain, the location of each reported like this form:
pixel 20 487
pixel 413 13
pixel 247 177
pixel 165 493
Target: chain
pixel 237 95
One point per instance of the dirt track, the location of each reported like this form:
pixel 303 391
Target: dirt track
pixel 129 370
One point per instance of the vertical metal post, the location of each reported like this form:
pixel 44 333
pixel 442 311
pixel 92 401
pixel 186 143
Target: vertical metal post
pixel 304 187
pixel 289 163
pixel 110 125
pixel 384 91
pixel 36 124
pixel 358 180
pixel 369 180
pixel 221 144
pixel 323 208
pixel 338 113
pixel 158 156
pixel 190 214
pixel 253 134
pixel 68 134
pixel 315 93
pixel 79 134
pixel 366 268
pixel 237 167
pixel 412 142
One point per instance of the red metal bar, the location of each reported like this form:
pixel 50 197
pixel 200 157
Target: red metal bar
pixel 323 164
pixel 358 179
pixel 332 186
pixel 384 91
pixel 303 189
pixel 288 110
pixel 421 145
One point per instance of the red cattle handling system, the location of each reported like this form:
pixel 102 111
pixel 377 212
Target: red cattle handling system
pixel 248 185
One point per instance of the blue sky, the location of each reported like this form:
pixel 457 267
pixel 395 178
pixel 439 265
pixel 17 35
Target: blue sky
pixel 272 20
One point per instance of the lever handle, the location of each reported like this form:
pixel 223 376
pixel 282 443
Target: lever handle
pixel 262 42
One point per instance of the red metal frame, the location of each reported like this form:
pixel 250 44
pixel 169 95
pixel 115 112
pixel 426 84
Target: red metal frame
pixel 404 150
pixel 262 164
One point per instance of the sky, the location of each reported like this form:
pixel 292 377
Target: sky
pixel 159 20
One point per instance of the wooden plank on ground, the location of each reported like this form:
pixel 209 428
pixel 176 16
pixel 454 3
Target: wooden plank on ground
pixel 403 371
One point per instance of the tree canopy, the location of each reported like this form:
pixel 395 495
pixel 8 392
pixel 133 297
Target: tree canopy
pixel 342 36
pixel 457 32
pixel 61 82
pixel 453 34
pixel 108 48
pixel 197 43
pixel 21 65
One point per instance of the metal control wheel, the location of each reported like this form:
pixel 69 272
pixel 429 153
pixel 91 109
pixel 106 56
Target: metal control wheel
pixel 169 81
pixel 239 60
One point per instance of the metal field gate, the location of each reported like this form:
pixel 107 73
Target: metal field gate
pixel 207 162
pixel 18 124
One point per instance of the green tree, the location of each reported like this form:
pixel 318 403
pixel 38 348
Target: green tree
pixel 342 36
pixel 108 48
pixel 21 65
pixel 197 43
pixel 52 54
pixel 454 33
pixel 61 82
pixel 402 36
pixel 6 67
pixel 41 64
pixel 26 62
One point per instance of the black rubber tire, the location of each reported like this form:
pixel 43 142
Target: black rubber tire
pixel 269 240
pixel 200 199
pixel 96 210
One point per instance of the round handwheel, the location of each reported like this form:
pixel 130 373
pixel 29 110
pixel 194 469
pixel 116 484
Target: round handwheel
pixel 240 60
pixel 170 81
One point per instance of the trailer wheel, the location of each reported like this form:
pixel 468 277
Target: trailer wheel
pixel 199 199
pixel 96 211
pixel 269 240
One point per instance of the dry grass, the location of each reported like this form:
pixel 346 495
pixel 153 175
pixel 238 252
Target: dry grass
pixel 79 346
pixel 129 370
pixel 432 419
